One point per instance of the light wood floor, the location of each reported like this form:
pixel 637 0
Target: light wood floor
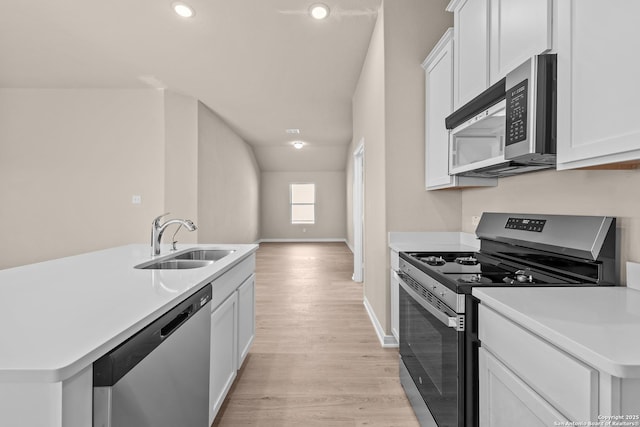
pixel 316 360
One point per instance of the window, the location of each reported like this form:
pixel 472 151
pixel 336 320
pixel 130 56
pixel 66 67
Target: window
pixel 303 203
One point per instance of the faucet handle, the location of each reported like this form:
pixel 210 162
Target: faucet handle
pixel 156 221
pixel 173 238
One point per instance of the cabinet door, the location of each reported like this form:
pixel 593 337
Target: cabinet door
pixel 506 401
pixel 519 30
pixel 598 90
pixel 439 104
pixel 395 306
pixel 246 318
pixel 471 65
pixel 223 365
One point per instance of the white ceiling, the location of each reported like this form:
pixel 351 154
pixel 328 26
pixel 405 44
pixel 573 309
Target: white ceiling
pixel 262 65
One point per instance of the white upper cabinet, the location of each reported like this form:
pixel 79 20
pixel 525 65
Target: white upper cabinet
pixel 471 64
pixel 598 90
pixel 439 104
pixel 519 30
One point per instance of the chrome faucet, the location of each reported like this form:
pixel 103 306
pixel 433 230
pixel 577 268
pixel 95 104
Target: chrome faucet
pixel 158 229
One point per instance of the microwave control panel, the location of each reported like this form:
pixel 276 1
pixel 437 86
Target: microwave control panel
pixel 516 120
pixel 526 224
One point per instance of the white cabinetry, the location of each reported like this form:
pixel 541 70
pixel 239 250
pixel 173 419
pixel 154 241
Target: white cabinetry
pixel 394 281
pixel 519 30
pixel 550 375
pixel 492 37
pixel 598 90
pixel 439 104
pixel 525 380
pixel 223 365
pixel 232 329
pixel 471 34
pixel 246 318
pixel 505 399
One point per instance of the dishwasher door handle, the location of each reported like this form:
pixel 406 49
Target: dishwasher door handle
pixel 172 325
pixel 109 368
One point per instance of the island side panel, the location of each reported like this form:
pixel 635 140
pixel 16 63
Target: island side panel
pixel 31 404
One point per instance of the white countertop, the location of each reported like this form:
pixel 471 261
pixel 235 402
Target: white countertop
pixel 598 325
pixel 60 316
pixel 433 241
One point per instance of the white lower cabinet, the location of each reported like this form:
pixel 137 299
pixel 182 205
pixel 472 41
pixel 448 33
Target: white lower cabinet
pixel 546 375
pixel 394 283
pixel 525 380
pixel 246 317
pixel 223 364
pixel 505 399
pixel 232 329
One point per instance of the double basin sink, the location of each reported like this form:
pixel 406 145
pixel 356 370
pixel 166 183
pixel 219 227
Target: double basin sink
pixel 192 258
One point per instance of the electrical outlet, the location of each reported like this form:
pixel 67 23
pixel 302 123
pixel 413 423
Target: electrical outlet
pixel 136 199
pixel 475 220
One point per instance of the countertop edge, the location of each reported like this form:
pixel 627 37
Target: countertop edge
pixel 587 355
pixel 62 373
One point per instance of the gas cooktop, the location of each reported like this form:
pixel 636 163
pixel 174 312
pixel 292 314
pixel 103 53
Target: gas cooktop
pixel 459 271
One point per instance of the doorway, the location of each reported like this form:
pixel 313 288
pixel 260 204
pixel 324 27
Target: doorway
pixel 358 212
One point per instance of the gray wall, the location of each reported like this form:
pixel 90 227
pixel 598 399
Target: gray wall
pixel 181 161
pixel 70 161
pixel 369 126
pixel 228 183
pixel 576 192
pixel 388 113
pixel 330 206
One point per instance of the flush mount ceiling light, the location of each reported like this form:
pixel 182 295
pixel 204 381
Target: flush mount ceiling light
pixel 183 9
pixel 319 11
pixel 298 144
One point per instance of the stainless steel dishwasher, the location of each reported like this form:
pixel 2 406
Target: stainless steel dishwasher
pixel 160 376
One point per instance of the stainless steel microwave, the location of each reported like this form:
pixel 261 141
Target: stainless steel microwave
pixel 510 128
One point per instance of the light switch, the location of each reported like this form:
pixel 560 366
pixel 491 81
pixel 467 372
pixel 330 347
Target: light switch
pixel 136 199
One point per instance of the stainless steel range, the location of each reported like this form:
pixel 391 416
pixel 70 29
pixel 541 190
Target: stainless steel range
pixel 438 316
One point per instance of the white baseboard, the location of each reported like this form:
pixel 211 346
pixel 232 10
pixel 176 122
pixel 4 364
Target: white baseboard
pixel 349 246
pixel 309 240
pixel 386 341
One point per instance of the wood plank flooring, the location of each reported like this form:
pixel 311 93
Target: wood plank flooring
pixel 316 360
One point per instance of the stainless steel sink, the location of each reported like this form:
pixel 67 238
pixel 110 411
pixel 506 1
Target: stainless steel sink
pixel 175 264
pixel 204 254
pixel 193 258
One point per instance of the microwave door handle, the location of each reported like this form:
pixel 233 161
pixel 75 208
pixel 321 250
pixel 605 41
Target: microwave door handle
pixel 450 322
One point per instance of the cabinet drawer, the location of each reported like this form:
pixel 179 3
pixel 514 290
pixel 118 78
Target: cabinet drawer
pixel 568 384
pixel 226 284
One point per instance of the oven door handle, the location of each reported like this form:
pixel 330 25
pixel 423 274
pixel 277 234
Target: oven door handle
pixel 456 322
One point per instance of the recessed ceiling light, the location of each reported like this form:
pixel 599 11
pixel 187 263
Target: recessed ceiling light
pixel 298 144
pixel 183 9
pixel 319 11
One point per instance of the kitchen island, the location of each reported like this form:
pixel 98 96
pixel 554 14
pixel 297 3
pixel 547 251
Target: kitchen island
pixel 62 315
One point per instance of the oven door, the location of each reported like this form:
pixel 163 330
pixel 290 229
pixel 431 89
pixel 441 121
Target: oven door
pixel 431 349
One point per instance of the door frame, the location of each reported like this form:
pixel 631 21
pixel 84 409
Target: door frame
pixel 358 212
